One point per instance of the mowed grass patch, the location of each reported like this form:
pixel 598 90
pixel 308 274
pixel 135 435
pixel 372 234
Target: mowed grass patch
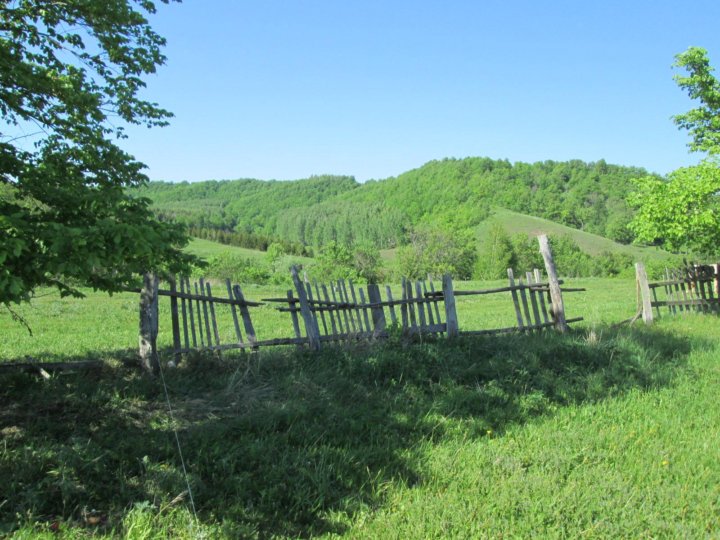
pixel 519 435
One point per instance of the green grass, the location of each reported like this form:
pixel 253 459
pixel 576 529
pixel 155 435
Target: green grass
pixel 603 433
pixel 207 248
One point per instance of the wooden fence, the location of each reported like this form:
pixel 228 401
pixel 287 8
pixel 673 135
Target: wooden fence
pixel 339 311
pixel 694 288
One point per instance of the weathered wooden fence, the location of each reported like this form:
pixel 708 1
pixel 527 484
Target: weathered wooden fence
pixel 694 288
pixel 340 311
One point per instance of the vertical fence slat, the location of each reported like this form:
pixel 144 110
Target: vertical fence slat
pixel 451 320
pixel 245 314
pixel 669 293
pixel 233 309
pixel 342 289
pixel 700 284
pixel 411 306
pixel 205 312
pixel 199 315
pixel 332 312
pixel 378 314
pixel 212 315
pixel 676 286
pixel 354 301
pixel 526 307
pixel 293 315
pixel 322 309
pixel 305 312
pixel 404 308
pixel 516 302
pixel 533 299
pixel 671 296
pixel 420 305
pixel 341 313
pixel 710 283
pixel 431 318
pixel 313 308
pixel 435 303
pixel 190 312
pixel 393 316
pixel 541 297
pixel 366 318
pixel 183 310
pixel 175 320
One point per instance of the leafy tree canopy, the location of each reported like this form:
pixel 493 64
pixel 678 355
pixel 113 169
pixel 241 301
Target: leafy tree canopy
pixel 703 122
pixel 682 211
pixel 71 74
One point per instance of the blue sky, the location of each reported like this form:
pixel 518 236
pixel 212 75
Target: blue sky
pixel 284 90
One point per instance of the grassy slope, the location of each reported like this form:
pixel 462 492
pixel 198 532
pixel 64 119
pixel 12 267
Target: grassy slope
pixel 208 248
pixel 516 223
pixel 592 244
pixel 604 433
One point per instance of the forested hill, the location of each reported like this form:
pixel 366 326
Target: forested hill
pixel 244 205
pixel 454 193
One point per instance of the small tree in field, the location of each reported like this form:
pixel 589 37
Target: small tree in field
pixel 683 211
pixel 70 76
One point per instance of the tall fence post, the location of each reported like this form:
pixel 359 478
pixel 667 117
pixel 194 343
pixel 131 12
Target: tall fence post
pixel 149 360
pixel 305 311
pixel 378 314
pixel 644 290
pixel 558 307
pixel 451 320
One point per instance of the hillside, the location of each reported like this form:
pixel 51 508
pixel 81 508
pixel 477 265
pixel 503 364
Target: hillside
pixel 592 244
pixel 455 193
pixel 244 205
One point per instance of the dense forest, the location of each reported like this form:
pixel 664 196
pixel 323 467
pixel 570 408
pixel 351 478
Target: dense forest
pixel 452 193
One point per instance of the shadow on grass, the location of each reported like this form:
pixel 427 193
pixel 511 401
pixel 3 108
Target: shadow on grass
pixel 282 442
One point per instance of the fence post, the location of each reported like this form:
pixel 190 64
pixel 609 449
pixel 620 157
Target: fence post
pixel 175 321
pixel 378 314
pixel 558 307
pixel 644 290
pixel 149 360
pixel 310 327
pixel 451 320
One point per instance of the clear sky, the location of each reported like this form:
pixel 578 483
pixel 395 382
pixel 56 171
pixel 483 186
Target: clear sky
pixel 286 89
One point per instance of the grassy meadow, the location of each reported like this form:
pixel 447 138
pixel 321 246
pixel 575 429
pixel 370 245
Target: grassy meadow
pixel 610 431
pixel 607 432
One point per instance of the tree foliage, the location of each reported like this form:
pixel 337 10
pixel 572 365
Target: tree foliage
pixel 681 211
pixel 70 77
pixel 703 122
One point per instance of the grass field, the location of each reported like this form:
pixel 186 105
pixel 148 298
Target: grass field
pixel 604 433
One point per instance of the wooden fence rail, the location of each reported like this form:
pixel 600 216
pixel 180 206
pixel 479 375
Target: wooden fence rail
pixel 339 311
pixel 694 288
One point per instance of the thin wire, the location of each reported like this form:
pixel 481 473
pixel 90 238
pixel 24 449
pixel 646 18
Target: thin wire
pixel 177 440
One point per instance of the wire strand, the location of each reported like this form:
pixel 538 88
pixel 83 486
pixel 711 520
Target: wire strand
pixel 177 440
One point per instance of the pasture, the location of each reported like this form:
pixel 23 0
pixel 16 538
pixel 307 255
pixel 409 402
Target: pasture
pixel 603 433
